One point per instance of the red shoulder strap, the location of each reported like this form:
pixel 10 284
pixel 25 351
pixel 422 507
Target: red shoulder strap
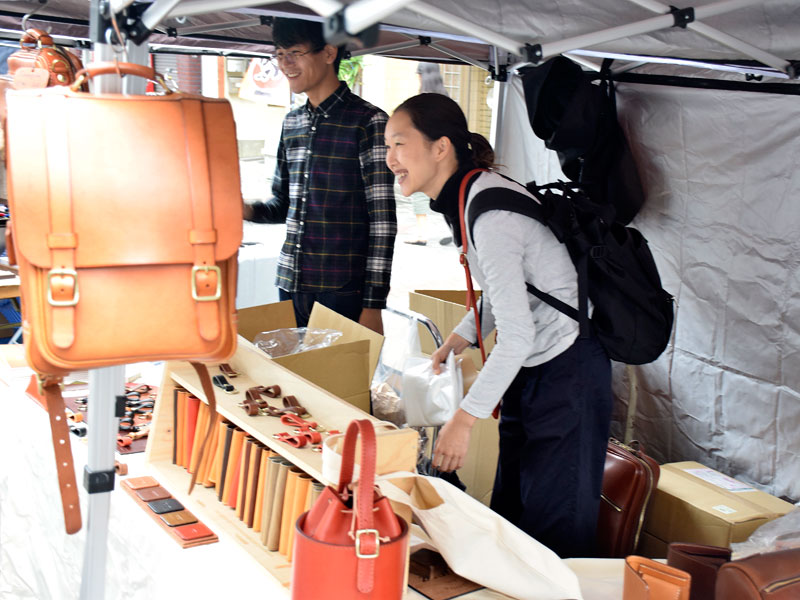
pixel 471 302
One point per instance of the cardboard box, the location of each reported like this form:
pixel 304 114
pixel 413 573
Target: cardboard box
pixel 446 308
pixel 344 369
pixel 696 504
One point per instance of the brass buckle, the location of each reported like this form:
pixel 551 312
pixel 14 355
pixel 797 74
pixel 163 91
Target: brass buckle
pixel 361 532
pixel 50 300
pixel 217 294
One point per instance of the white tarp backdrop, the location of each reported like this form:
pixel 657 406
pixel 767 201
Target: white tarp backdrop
pixel 722 174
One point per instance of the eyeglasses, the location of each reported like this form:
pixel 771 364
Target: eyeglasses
pixel 292 56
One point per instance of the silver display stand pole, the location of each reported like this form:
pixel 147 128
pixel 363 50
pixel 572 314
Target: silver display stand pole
pixel 104 386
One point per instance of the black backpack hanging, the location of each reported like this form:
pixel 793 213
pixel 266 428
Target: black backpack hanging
pixel 578 120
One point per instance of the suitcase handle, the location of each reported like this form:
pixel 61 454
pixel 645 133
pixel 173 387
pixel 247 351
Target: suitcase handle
pixel 118 68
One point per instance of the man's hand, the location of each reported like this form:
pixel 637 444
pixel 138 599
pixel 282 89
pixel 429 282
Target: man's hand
pixel 454 342
pixel 371 318
pixel 453 442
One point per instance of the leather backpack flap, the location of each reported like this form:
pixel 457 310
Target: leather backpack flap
pixel 151 227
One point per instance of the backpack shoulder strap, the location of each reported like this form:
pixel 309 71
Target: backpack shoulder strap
pixel 501 198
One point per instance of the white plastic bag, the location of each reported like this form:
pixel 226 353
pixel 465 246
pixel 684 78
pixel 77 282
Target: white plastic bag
pixel 429 399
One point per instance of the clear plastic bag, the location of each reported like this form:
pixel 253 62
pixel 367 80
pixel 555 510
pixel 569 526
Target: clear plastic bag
pixel 280 342
pixel 782 533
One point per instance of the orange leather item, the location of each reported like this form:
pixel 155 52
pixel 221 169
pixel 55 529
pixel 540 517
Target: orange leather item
pixel 768 576
pixel 38 51
pixel 646 579
pixel 351 543
pixel 127 223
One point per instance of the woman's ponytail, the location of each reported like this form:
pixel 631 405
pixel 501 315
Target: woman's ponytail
pixel 482 152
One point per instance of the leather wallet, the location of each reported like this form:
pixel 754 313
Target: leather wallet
pixel 137 483
pixel 179 517
pixel 153 493
pixel 701 562
pixel 193 531
pixel 646 579
pixel 164 506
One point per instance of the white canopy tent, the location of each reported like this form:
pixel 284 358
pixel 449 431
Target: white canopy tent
pixel 720 170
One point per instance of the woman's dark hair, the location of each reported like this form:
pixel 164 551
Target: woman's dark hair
pixel 436 116
pixel 290 32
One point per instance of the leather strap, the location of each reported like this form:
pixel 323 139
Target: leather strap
pixel 202 236
pixel 208 390
pixel 63 287
pixel 66 471
pixel 367 542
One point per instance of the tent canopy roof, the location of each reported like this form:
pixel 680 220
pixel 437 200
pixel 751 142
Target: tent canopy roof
pixel 772 26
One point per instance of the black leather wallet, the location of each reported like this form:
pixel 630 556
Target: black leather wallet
pixel 164 506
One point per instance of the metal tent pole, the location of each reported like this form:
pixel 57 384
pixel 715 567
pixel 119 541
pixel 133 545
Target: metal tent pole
pixel 550 49
pixel 723 38
pixel 104 386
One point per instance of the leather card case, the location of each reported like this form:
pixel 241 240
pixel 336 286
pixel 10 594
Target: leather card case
pixel 138 483
pixel 153 493
pixel 193 531
pixel 164 506
pixel 179 517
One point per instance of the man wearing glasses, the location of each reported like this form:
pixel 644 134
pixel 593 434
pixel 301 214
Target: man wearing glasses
pixel 331 186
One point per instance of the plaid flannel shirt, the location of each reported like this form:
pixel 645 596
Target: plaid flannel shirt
pixel 336 194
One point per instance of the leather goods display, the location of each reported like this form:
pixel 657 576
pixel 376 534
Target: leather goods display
pixel 646 579
pixel 770 576
pixel 351 542
pixel 701 562
pixel 41 63
pixel 629 478
pixel 127 223
pixel 181 525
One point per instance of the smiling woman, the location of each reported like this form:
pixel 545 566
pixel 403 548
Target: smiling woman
pixel 555 387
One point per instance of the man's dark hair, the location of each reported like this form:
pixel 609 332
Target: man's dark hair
pixel 290 32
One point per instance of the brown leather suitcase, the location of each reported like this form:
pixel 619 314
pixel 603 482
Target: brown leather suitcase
pixel 629 478
pixel 770 576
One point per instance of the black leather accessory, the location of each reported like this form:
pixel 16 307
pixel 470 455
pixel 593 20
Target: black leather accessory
pixel 164 506
pixel 223 384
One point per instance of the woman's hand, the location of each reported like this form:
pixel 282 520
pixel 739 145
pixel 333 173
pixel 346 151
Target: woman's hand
pixel 453 442
pixel 454 342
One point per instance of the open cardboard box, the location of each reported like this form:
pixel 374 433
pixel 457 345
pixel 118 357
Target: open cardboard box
pixel 344 369
pixel 694 503
pixel 446 308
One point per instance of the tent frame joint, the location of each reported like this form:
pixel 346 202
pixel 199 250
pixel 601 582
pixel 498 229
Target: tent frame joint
pixel 334 30
pixel 682 16
pixel 534 53
pixel 499 73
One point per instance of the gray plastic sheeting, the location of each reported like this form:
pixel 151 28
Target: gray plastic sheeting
pixel 722 216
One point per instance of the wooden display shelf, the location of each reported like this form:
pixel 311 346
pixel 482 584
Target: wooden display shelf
pixel 397 448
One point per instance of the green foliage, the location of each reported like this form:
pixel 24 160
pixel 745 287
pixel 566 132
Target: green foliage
pixel 350 71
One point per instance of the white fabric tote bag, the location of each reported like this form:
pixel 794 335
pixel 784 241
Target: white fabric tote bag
pixel 475 541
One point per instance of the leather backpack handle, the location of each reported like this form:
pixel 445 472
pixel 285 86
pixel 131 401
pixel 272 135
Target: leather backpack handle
pixel 36 36
pixel 111 68
pixel 118 68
